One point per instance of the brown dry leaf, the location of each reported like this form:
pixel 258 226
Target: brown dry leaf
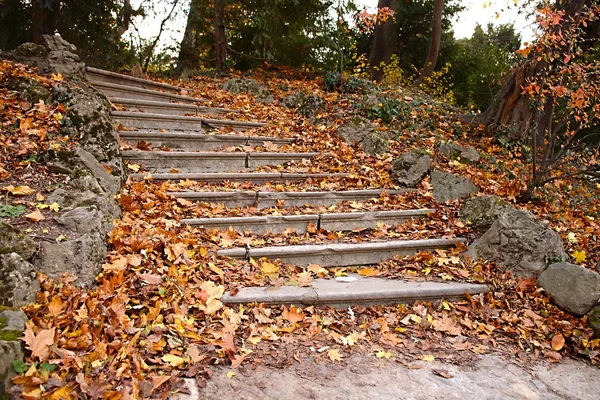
pixel 443 373
pixel 558 342
pixel 369 271
pixel 38 344
pixel 35 216
pixel 293 315
pixel 269 269
pixel 55 306
pixel 334 355
pixel 19 190
pixel 152 279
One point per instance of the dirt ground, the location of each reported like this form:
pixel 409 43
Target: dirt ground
pixel 366 377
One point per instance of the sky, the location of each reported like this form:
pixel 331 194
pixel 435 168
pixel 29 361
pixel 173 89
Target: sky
pixel 476 11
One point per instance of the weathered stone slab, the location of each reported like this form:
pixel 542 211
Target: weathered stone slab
pixel 258 224
pixel 196 141
pixel 355 290
pixel 187 161
pixel 161 107
pixel 447 186
pixel 18 283
pixel 112 90
pixel 228 199
pixel 101 75
pixel 368 219
pixel 13 240
pixel 259 159
pixel 254 177
pixel 177 122
pixel 236 125
pixel 297 199
pixel 342 254
pixel 571 287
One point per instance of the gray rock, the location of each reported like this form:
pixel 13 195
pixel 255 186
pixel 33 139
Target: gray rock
pixel 594 321
pixel 82 220
pixel 237 85
pixel 12 320
pixel 18 284
pixel 9 351
pixel 461 153
pixel 306 105
pixel 363 132
pixel 410 168
pixel 481 212
pixel 519 242
pixel 79 257
pixel 103 202
pixel 108 182
pixel 12 240
pixel 571 287
pixel 29 89
pixel 447 186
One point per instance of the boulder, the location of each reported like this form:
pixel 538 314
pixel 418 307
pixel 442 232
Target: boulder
pixel 12 240
pixel 594 321
pixel 520 243
pixel 70 199
pixel 461 153
pixel 81 257
pixel 10 350
pixel 250 86
pixel 363 132
pixel 410 168
pixel 18 283
pixel 447 186
pixel 571 287
pixel 481 212
pixel 307 105
pixel 82 220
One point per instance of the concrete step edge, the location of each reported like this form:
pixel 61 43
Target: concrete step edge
pixel 330 249
pixel 151 103
pixel 99 85
pixel 213 154
pixel 200 136
pixel 148 82
pixel 238 176
pixel 348 217
pixel 139 115
pixel 360 291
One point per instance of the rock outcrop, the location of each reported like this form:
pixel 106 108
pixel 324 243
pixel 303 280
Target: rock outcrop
pixel 410 168
pixel 250 86
pixel 447 186
pixel 482 211
pixel 363 132
pixel 520 243
pixel 307 105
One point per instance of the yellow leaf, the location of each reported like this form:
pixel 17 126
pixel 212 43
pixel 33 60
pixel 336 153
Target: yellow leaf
pixel 54 207
pixel 42 206
pixel 61 394
pixel 334 355
pixel 39 196
pixel 428 358
pixel 571 238
pixel 19 190
pixel 579 256
pixel 173 360
pixel 383 354
pixel 368 272
pixel 230 374
pixel 35 216
pixel 445 305
pixel 133 167
pixel 270 270
pixel 558 342
pixel 58 116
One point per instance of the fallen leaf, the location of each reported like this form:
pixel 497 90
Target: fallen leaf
pixel 173 360
pixel 35 216
pixel 38 344
pixel 151 278
pixel 558 342
pixel 19 190
pixel 428 358
pixel 579 256
pixel 383 354
pixel 334 355
pixel 443 373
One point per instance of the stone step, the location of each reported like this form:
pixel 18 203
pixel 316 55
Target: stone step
pixel 161 107
pixel 177 122
pixel 354 290
pixel 342 254
pixel 290 199
pixel 101 75
pixel 195 161
pixel 332 222
pixel 251 177
pixel 112 90
pixel 197 141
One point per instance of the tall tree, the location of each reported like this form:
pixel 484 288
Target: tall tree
pixel 44 16
pixel 189 51
pixel 220 38
pixel 434 47
pixel 385 40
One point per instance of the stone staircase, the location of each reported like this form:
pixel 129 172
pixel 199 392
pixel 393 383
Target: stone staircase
pixel 160 115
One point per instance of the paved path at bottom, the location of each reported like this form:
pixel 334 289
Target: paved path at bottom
pixel 361 377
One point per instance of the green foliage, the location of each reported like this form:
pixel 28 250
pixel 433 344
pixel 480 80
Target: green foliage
pixel 332 81
pixel 478 63
pixel 8 211
pixel 19 366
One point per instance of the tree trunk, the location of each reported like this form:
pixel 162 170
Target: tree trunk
pixel 384 43
pixel 44 14
pixel 189 53
pixel 511 107
pixel 220 41
pixel 434 47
